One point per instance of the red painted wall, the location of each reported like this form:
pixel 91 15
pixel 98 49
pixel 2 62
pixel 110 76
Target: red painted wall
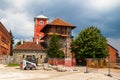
pixel 66 62
pixel 38 27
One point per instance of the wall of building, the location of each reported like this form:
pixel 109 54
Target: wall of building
pixel 37 28
pixel 20 56
pixel 5 41
pixel 64 38
pixel 113 54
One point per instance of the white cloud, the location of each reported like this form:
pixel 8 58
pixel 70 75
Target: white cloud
pixel 17 20
pixel 103 5
pixel 16 15
pixel 19 4
pixel 96 6
pixel 19 23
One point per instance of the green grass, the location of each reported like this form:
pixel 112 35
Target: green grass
pixel 12 65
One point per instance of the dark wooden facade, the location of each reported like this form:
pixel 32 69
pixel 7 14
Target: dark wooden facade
pixel 59 30
pixel 63 30
pixel 5 41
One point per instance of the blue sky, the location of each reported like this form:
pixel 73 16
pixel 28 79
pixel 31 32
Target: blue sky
pixel 18 15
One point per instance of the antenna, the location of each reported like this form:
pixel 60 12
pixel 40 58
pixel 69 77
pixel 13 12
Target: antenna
pixel 41 12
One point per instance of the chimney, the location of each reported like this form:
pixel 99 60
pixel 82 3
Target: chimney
pixel 21 41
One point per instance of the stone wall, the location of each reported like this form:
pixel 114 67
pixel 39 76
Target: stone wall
pixel 19 56
pixel 4 59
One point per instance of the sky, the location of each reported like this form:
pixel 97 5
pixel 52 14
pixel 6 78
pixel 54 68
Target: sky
pixel 18 16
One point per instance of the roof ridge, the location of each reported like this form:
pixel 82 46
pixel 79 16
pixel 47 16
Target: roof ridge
pixel 58 21
pixel 29 46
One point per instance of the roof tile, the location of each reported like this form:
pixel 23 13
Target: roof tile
pixel 32 46
pixel 60 22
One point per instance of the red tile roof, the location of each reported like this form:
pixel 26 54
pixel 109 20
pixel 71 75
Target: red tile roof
pixel 60 22
pixel 112 47
pixel 29 46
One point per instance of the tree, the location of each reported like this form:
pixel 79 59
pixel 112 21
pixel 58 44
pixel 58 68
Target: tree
pixel 90 43
pixel 12 42
pixel 54 48
pixel 19 43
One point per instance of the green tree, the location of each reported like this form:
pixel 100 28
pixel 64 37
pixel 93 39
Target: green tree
pixel 54 48
pixel 90 43
pixel 12 43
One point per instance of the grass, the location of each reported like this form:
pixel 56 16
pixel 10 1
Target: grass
pixel 13 65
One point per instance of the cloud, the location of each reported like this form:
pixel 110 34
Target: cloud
pixel 103 5
pixel 18 21
pixel 18 15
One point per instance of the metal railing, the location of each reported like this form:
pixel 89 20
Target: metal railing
pixel 105 66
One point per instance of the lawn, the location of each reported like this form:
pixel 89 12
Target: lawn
pixel 12 65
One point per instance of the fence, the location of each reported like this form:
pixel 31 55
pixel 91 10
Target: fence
pixel 105 66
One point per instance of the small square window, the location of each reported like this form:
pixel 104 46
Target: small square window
pixel 40 56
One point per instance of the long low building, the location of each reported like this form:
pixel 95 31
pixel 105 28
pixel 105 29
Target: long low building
pixel 5 41
pixel 29 49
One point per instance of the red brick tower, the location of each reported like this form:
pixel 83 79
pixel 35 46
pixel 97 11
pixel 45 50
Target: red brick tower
pixel 40 22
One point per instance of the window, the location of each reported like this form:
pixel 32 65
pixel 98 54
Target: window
pixel 40 56
pixel 23 56
pixel 41 22
pixel 4 39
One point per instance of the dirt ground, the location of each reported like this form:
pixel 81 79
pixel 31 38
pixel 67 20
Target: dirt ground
pixel 14 73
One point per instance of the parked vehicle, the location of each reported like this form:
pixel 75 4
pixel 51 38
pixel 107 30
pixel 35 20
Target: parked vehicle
pixel 29 63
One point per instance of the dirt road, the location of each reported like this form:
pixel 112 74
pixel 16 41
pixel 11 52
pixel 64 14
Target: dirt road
pixel 14 73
